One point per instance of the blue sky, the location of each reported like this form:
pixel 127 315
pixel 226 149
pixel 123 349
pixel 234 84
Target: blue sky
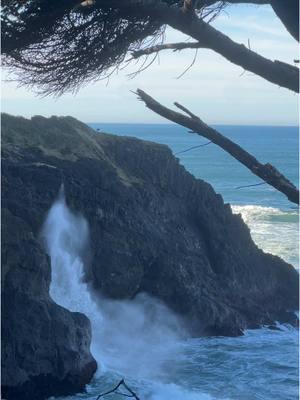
pixel 218 91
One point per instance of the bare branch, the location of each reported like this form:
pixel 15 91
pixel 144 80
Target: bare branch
pixel 189 66
pixel 278 72
pixel 185 110
pixel 192 148
pixel 286 10
pixel 266 172
pixel 255 184
pixel 115 390
pixel 166 46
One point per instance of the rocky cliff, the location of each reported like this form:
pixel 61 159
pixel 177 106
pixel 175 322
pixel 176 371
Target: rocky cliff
pixel 45 348
pixel 154 228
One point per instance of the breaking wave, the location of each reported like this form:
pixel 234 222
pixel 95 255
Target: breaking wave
pixel 273 230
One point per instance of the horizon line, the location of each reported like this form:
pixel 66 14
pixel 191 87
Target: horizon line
pixel 212 124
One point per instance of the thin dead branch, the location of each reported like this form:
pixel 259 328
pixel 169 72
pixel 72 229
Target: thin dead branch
pixel 166 46
pixel 189 66
pixel 278 72
pixel 130 393
pixel 247 186
pixel 267 172
pixel 192 148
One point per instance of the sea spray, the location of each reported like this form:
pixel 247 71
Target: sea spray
pixel 269 225
pixel 136 337
pixel 263 364
pixel 139 336
pixel 67 238
pixel 140 340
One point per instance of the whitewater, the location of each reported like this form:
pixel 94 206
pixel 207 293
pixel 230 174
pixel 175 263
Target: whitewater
pixel 145 343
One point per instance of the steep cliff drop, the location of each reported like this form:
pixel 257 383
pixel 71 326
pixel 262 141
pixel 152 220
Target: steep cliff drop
pixel 45 347
pixel 154 229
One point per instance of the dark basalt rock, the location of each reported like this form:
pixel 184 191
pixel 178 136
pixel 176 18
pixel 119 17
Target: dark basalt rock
pixel 154 228
pixel 45 348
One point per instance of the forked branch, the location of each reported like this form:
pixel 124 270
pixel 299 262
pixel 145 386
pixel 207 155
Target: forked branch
pixel 277 72
pixel 266 172
pixel 115 390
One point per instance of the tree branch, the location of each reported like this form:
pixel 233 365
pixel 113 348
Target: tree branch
pixel 166 46
pixel 57 63
pixel 266 172
pixel 278 72
pixel 286 10
pixel 114 390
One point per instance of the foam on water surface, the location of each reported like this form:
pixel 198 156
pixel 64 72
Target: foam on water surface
pixel 275 231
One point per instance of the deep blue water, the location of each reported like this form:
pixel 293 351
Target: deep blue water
pixel 262 364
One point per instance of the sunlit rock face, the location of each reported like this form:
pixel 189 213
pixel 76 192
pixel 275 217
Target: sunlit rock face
pixel 154 229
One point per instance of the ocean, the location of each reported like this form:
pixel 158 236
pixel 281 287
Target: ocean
pixel 161 365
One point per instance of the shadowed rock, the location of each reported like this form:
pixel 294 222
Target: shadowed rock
pixel 154 228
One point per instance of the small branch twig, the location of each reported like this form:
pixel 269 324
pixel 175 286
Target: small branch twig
pixel 192 148
pixel 277 72
pixel 185 110
pixel 115 390
pixel 267 172
pixel 255 184
pixel 190 66
pixel 166 46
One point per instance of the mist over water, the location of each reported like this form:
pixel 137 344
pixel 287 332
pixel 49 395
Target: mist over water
pixel 66 237
pixel 139 336
pixel 133 338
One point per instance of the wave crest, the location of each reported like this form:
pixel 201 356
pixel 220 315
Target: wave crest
pixel 274 230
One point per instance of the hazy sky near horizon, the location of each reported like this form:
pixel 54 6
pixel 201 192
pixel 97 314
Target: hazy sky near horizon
pixel 218 91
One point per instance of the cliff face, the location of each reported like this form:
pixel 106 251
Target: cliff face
pixel 45 348
pixel 154 228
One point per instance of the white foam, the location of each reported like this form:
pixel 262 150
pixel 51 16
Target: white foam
pixel 66 236
pixel 175 392
pixel 133 337
pixel 273 230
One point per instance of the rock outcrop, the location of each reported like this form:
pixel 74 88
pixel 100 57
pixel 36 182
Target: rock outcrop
pixel 45 348
pixel 154 228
